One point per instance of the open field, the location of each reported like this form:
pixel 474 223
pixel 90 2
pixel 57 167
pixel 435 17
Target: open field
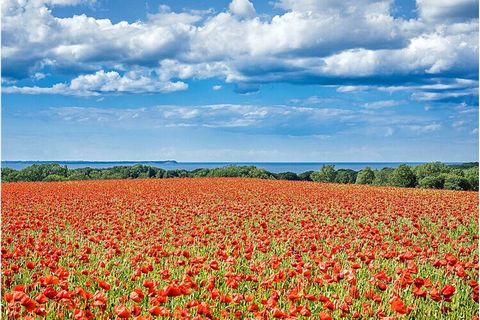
pixel 245 248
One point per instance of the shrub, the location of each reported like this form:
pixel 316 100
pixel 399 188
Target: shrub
pixel 432 182
pixel 326 174
pixel 382 177
pixel 346 176
pixel 471 175
pixel 365 176
pixel 456 182
pixel 402 176
pixel 55 177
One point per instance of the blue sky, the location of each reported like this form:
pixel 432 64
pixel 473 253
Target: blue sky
pixel 280 80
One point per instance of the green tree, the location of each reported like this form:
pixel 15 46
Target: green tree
pixel 200 172
pixel 346 176
pixel 259 173
pixel 432 182
pixel 38 172
pixel 326 174
pixel 55 177
pixel 471 174
pixel 455 182
pixel 365 176
pixel 287 176
pixel 306 176
pixel 403 176
pixel 9 175
pixel 382 177
pixel 430 169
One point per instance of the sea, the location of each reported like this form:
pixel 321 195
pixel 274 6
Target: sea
pixel 275 167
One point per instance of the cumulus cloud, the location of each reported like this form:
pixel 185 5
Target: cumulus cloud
pixel 104 82
pixel 242 8
pixel 347 43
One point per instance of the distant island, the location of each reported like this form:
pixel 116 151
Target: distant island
pixel 433 175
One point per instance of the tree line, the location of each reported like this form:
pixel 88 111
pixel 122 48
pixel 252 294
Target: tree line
pixel 434 175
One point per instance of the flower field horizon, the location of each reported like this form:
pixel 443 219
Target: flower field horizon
pixel 224 248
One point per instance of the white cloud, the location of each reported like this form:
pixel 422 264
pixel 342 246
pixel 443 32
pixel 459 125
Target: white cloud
pixel 381 104
pixel 253 119
pixel 447 10
pixel 428 54
pixel 242 8
pixel 352 88
pixel 434 90
pixel 258 118
pixel 216 87
pixel 104 82
pixel 312 41
pixel 424 128
pixel 458 124
pixel 432 96
pixel 39 76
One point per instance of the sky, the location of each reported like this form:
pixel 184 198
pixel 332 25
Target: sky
pixel 205 80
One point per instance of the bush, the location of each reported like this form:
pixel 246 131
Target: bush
pixel 430 169
pixel 382 177
pixel 306 176
pixel 456 182
pixel 38 172
pixel 55 177
pixel 346 176
pixel 432 182
pixel 365 176
pixel 326 174
pixel 471 175
pixel 402 176
pixel 9 175
pixel 287 176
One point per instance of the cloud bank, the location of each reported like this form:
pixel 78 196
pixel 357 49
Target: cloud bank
pixel 346 43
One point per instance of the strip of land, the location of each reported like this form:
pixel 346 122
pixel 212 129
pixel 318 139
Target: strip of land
pixel 434 175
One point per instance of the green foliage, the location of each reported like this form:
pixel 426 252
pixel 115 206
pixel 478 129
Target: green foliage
pixel 382 177
pixel 457 171
pixel 346 176
pixel 471 174
pixel 55 177
pixel 432 182
pixel 326 174
pixel 198 173
pixel 465 165
pixel 39 172
pixel 430 169
pixel 455 182
pixel 9 175
pixel 287 176
pixel 365 176
pixel 241 171
pixel 403 176
pixel 306 176
pixel 434 175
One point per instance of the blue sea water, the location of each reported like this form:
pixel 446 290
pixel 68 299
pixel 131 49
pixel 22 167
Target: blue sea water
pixel 297 167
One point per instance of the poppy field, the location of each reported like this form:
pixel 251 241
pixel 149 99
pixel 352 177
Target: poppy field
pixel 225 248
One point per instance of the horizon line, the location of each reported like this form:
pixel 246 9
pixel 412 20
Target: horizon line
pixel 217 161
